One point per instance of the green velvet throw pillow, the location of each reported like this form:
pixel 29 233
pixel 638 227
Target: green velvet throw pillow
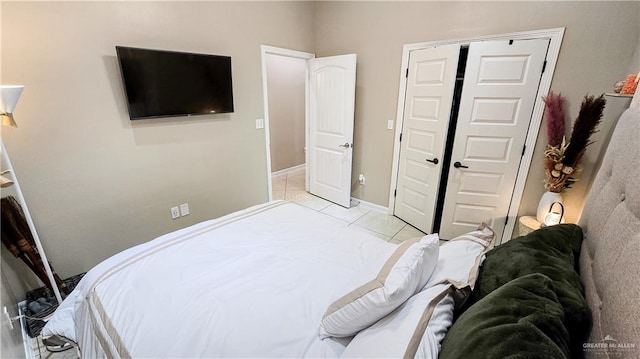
pixel 553 251
pixel 522 319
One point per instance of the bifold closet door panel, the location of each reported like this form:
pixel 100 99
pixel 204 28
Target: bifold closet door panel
pixel 428 100
pixel 499 92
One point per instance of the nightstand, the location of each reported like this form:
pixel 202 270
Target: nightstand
pixel 527 225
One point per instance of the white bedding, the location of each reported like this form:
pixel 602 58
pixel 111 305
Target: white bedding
pixel 254 283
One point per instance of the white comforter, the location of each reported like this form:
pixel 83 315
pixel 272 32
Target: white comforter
pixel 253 284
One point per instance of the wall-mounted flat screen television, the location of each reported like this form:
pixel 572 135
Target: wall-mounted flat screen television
pixel 167 83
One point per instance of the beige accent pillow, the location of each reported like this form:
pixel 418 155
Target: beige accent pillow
pixel 405 272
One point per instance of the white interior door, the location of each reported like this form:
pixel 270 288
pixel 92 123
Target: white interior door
pixel 428 100
pixel 332 86
pixel 498 94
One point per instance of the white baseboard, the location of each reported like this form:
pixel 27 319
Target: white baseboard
pixel 287 170
pixel 370 205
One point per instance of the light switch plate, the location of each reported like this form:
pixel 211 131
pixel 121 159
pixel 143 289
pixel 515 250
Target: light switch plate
pixel 184 209
pixel 259 123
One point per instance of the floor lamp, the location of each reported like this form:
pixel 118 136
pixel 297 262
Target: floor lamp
pixel 9 96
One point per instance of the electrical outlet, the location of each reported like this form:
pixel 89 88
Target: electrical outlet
pixel 175 212
pixel 361 178
pixel 184 209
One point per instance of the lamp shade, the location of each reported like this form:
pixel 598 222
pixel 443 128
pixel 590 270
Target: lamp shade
pixel 5 182
pixel 9 95
pixel 553 217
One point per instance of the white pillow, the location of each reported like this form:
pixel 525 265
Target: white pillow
pixel 419 325
pixel 402 275
pixel 460 258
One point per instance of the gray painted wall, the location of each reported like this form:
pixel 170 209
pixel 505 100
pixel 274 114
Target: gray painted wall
pixel 98 183
pixel 598 46
pixel 286 89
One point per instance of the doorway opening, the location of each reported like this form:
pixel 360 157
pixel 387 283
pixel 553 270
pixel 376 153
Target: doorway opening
pixel 329 104
pixel 284 83
pixel 286 96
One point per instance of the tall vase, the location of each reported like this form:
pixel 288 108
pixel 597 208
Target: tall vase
pixel 546 201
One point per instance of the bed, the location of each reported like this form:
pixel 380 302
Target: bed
pixel 280 280
pixel 253 283
pixel 272 281
pixel 609 260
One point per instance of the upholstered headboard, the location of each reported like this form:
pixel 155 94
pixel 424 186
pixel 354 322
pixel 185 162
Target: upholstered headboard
pixel 610 257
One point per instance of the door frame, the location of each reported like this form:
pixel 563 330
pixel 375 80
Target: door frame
pixel 271 50
pixel 555 36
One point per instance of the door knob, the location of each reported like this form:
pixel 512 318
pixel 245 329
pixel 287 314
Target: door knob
pixel 346 145
pixel 434 161
pixel 459 165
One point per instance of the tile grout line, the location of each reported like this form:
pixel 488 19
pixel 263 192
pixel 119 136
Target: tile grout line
pixel 370 230
pixel 398 232
pixel 361 216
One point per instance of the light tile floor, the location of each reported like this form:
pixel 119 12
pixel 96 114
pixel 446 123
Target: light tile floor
pixel 290 186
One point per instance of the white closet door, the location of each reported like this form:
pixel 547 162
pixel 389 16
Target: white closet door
pixel 332 86
pixel 498 94
pixel 430 84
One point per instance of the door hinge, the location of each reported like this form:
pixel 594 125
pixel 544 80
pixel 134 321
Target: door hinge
pixel 524 147
pixel 506 220
pixel 406 74
pixel 395 192
pixel 400 137
pixel 510 42
pixel 544 65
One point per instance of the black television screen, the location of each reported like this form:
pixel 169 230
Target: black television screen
pixel 168 83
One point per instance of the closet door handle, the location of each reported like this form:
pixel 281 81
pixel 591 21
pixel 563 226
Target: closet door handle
pixel 346 145
pixel 434 161
pixel 459 165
